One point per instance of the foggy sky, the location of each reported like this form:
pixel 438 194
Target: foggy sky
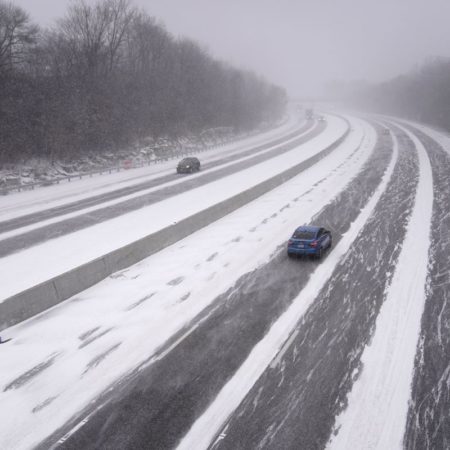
pixel 301 44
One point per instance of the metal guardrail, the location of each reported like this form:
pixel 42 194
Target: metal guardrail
pixel 5 190
pixel 117 168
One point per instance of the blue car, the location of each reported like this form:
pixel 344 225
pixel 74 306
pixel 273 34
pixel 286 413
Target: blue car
pixel 309 241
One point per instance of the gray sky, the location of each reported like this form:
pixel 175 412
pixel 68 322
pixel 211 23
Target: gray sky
pixel 302 44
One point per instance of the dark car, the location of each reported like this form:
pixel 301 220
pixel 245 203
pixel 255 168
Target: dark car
pixel 188 165
pixel 309 240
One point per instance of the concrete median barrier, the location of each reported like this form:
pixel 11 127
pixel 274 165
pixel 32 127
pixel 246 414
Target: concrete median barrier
pixel 39 298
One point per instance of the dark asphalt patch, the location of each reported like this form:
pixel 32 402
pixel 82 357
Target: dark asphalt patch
pixel 140 301
pixel 211 257
pixel 94 337
pixel 44 404
pixel 87 333
pixel 32 373
pixel 185 297
pixel 175 281
pixel 101 357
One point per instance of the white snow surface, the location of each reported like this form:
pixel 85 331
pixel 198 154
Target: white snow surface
pixel 376 414
pixel 440 137
pixel 41 262
pixel 209 425
pixel 177 283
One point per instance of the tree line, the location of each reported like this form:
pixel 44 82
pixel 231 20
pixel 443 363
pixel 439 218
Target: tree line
pixel 107 75
pixel 422 95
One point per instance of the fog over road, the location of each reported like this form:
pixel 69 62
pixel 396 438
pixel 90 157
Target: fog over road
pixel 221 341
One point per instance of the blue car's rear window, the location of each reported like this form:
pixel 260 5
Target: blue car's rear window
pixel 304 235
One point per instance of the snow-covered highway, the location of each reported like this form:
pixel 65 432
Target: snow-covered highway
pixel 24 229
pixel 40 265
pixel 219 340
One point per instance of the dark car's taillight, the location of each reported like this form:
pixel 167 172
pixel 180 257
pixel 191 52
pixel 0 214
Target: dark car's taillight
pixel 290 242
pixel 313 244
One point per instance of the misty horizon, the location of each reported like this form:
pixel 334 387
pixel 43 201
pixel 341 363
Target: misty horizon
pixel 301 46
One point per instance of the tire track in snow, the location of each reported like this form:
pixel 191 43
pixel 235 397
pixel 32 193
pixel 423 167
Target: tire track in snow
pixel 32 373
pixel 376 414
pixel 176 389
pixel 294 403
pixel 428 424
pixel 245 380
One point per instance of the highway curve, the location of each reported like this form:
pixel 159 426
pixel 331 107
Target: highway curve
pixel 158 405
pixel 224 382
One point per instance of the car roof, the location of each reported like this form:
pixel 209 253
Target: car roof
pixel 312 229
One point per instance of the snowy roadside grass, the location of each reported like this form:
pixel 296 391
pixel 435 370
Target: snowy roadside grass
pixel 94 339
pixel 376 414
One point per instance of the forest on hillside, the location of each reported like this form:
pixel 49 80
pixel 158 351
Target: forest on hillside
pixel 107 75
pixel 423 95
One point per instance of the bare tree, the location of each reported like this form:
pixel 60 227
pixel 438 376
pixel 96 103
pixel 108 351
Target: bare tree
pixel 17 34
pixel 94 34
pixel 107 75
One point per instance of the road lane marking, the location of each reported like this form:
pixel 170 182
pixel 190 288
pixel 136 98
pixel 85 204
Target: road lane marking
pixel 207 426
pixel 377 408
